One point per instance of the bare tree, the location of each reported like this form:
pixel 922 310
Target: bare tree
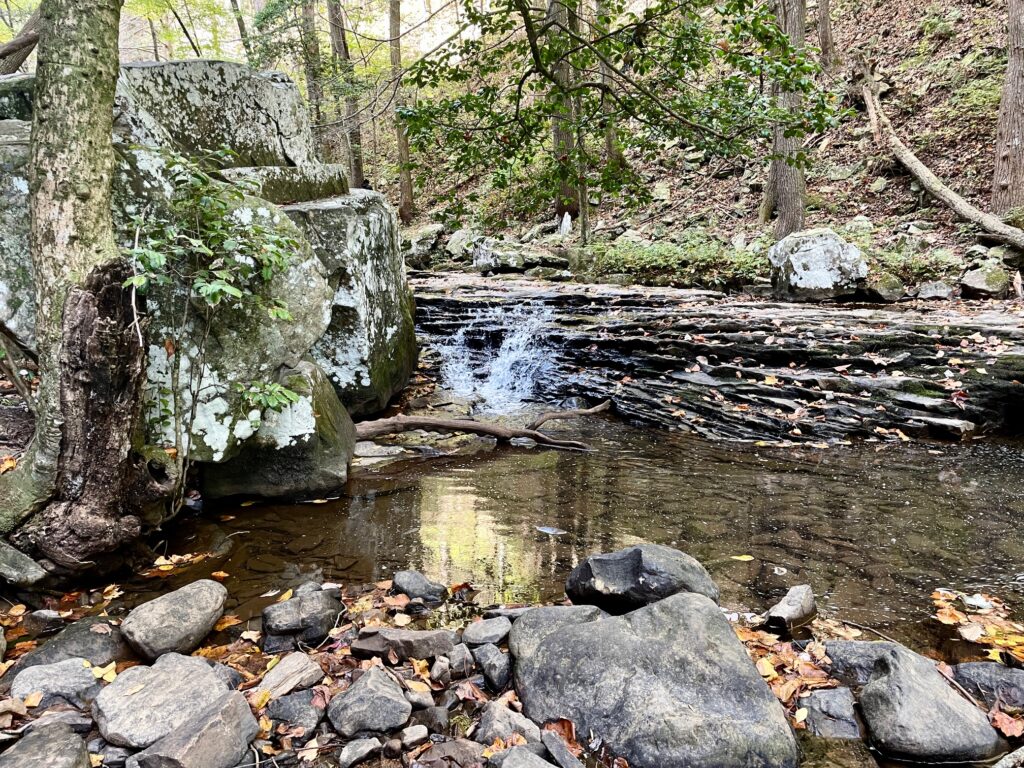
pixel 16 52
pixel 612 149
pixel 343 60
pixel 785 194
pixel 825 39
pixel 1008 185
pixel 563 140
pixel 405 205
pixel 243 31
pixel 311 61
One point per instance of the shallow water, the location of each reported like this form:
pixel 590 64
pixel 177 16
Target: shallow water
pixel 873 528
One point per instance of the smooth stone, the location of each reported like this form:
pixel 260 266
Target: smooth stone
pixel 992 683
pixel 637 576
pixel 293 673
pixel 176 622
pixel 70 681
pixel 113 755
pixel 533 627
pixel 144 704
pixel 405 643
pixel 217 736
pixel 509 613
pixel 374 702
pixel 17 568
pixel 415 584
pixel 420 699
pixel 496 666
pixel 72 718
pixel 461 661
pixel 392 749
pixel 434 718
pixel 357 751
pixel 492 631
pixel 500 722
pixel 413 736
pixel 832 714
pixel 459 752
pixel 232 678
pixel 297 709
pixel 53 746
pixel 559 750
pixel 308 617
pixel 794 610
pixel 934 289
pixel 853 661
pixel 520 757
pixel 441 670
pixel 78 640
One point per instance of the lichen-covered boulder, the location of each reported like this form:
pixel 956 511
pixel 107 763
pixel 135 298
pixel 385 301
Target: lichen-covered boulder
pixel 369 348
pixel 205 105
pixel 303 450
pixel 291 185
pixel 988 281
pixel 816 264
pixel 17 281
pixel 493 255
pixel 16 97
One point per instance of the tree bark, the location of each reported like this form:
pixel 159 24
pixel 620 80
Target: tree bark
pixel 825 39
pixel 562 136
pixel 1008 185
pixel 15 53
pixel 353 129
pixel 405 205
pixel 243 31
pixel 613 156
pixel 311 61
pixel 785 193
pixel 72 492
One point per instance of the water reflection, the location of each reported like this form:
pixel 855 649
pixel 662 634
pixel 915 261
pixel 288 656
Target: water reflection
pixel 874 529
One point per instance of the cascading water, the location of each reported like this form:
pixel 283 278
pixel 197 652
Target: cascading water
pixel 501 376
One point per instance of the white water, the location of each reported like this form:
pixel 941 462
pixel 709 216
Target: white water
pixel 501 379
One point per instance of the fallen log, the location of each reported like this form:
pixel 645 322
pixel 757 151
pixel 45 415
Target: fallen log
pixel 367 430
pixel 573 414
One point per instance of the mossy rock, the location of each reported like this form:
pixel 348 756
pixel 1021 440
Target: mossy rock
pixel 16 97
pixel 885 286
pixel 989 281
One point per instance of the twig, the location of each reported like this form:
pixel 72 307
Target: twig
pixel 574 414
pixel 870 629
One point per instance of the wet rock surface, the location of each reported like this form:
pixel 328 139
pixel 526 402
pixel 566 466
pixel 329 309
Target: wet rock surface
pixel 373 703
pixel 175 622
pixel 70 682
pixel 306 618
pixel 832 714
pixel 414 584
pixel 794 610
pixel 55 746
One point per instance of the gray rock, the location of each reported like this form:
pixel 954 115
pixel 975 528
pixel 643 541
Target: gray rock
pixel 176 622
pixel 297 184
pixel 357 751
pixel 509 613
pixel 113 755
pixel 500 722
pixel 405 643
pixel 559 750
pixel 520 757
pixel 992 683
pixel 630 678
pixel 293 673
pixel 1012 760
pixel 419 244
pixel 496 666
pixel 461 661
pixel 934 289
pixel 297 709
pixel 989 281
pixel 144 704
pixel 912 713
pixel 308 617
pixel 636 576
pixel 460 244
pixel 832 714
pixel 420 699
pixel 441 670
pixel 231 677
pixel 215 737
pixel 885 286
pixel 72 718
pixel 100 646
pixel 533 627
pixel 434 718
pixel 492 631
pixel 374 702
pixel 55 746
pixel 70 681
pixel 853 661
pixel 794 610
pixel 491 255
pixel 41 623
pixel 15 567
pixel 816 264
pixel 414 584
pixel 413 736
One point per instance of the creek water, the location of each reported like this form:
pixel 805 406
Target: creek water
pixel 874 528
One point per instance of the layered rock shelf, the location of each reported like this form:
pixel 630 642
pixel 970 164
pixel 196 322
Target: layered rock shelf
pixel 753 369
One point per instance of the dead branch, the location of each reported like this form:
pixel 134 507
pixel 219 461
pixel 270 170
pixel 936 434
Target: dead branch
pixel 574 414
pixel 886 135
pixel 367 430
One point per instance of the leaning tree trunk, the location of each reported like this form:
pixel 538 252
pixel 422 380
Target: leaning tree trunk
pixel 405 205
pixel 562 136
pixel 68 496
pixel 16 52
pixel 343 58
pixel 1008 186
pixel 243 31
pixel 785 193
pixel 825 39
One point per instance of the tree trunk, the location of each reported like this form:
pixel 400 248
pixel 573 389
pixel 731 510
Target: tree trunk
pixel 243 32
pixel 311 61
pixel 16 52
pixel 562 135
pixel 353 129
pixel 72 491
pixel 405 205
pixel 613 156
pixel 156 42
pixel 825 40
pixel 785 192
pixel 1008 186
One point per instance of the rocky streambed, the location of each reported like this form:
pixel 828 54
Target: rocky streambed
pixel 643 668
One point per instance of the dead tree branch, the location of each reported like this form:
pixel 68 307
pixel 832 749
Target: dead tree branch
pixel 367 430
pixel 574 414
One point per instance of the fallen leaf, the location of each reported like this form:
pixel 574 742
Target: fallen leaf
pixel 95 760
pixel 219 575
pixel 1010 726
pixel 226 621
pixel 286 595
pixel 107 674
pixel 101 629
pixel 7 463
pixel 742 558
pixel 33 699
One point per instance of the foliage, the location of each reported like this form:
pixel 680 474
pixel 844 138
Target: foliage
pixel 263 396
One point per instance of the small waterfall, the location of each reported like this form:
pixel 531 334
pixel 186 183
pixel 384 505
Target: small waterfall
pixel 497 357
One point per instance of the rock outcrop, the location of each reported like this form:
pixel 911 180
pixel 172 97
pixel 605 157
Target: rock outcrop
pixel 816 264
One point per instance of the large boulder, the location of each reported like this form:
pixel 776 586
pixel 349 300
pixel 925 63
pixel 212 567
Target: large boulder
pixel 291 185
pixel 992 684
pixel 491 255
pixel 17 284
pixel 369 348
pixel 816 264
pixel 988 281
pixel 668 684
pixel 635 576
pixel 51 746
pixel 177 621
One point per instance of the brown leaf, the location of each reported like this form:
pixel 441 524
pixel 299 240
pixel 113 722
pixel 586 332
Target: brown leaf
pixel 226 621
pixel 1012 727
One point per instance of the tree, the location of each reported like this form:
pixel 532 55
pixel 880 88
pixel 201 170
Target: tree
pixel 243 31
pixel 1008 185
pixel 16 52
pixel 343 62
pixel 72 494
pixel 405 205
pixel 785 193
pixel 311 61
pixel 563 138
pixel 825 39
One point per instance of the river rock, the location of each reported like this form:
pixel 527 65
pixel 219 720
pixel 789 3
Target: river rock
pixel 15 567
pixel 912 713
pixel 885 286
pixel 635 576
pixel 668 684
pixel 487 631
pixel 491 255
pixel 420 699
pixel 441 670
pixel 95 638
pixel 519 757
pixel 144 704
pixel 420 243
pixel 217 736
pixel 461 661
pixel 460 245
pixel 992 683
pixel 42 623
pixel 177 621
pixel 794 610
pixel 458 752
pixel 500 722
pixel 559 750
pixel 404 643
pixel 357 751
pixel 414 584
pixel 496 666
pixel 853 661
pixel 989 281
pixel 413 736
pixel 307 617
pixel 374 702
pixel 934 289
pixel 54 746
pixel 1012 760
pixel 832 714
pixel 66 682
pixel 297 709
pixel 294 672
pixel 434 718
pixel 816 264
